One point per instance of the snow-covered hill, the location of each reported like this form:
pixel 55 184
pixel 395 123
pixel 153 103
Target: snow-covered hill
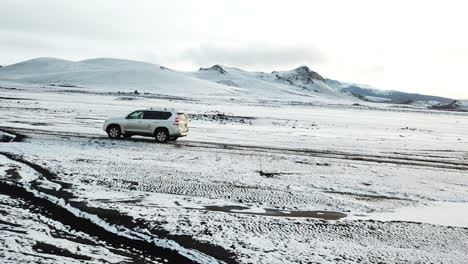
pixel 126 75
pixel 465 104
pixel 372 94
pixel 111 75
pixel 452 106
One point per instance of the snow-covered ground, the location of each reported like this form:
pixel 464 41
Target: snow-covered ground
pixel 258 180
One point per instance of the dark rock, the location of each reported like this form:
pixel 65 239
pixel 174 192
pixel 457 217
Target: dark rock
pixel 216 68
pixel 228 83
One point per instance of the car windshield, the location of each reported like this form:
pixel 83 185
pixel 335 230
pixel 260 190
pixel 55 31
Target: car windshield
pixel 135 115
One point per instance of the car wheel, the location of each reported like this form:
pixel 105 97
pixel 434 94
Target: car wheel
pixel 161 135
pixel 114 132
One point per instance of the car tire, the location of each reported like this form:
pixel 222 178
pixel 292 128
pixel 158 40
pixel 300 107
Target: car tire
pixel 114 132
pixel 161 135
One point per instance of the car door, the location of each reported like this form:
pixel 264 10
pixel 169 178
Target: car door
pixel 134 122
pixel 152 120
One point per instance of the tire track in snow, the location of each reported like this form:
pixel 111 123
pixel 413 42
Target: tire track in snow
pixel 333 154
pixel 117 235
pixel 408 159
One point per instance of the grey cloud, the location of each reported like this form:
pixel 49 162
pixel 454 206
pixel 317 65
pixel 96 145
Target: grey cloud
pixel 255 56
pixel 25 41
pixel 92 20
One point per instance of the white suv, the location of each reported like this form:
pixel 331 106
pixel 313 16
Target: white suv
pixel 162 124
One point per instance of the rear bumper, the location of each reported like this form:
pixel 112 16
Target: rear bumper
pixel 181 134
pixel 178 132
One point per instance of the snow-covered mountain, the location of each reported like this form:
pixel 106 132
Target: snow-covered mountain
pixel 455 105
pixel 110 75
pixel 300 81
pixel 369 93
pixel 118 75
pixel 126 75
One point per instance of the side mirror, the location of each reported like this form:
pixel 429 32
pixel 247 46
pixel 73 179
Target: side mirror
pixel 127 117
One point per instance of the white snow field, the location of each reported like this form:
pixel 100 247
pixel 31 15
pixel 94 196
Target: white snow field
pixel 272 171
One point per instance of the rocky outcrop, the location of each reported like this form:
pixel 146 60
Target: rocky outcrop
pixel 215 68
pixel 228 83
pixel 301 77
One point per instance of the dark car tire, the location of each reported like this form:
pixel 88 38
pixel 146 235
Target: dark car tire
pixel 161 135
pixel 114 132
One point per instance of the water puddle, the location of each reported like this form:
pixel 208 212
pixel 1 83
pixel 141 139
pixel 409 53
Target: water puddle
pixel 326 215
pixel 438 213
pixel 170 201
pixel 6 137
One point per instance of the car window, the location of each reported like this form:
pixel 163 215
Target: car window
pixel 158 115
pixel 135 115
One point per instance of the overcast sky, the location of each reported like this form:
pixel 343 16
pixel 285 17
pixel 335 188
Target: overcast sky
pixel 413 46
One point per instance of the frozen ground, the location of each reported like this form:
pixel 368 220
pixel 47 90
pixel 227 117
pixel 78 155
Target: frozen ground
pixel 256 181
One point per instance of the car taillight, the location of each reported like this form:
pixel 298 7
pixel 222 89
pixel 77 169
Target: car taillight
pixel 176 122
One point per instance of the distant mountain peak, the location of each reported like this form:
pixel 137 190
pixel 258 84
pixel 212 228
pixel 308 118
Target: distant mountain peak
pixel 301 76
pixel 307 73
pixel 215 68
pixel 303 68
